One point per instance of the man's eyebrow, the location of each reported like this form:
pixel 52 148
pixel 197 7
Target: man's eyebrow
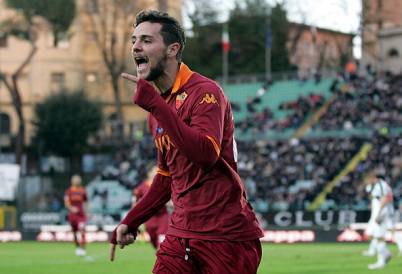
pixel 141 36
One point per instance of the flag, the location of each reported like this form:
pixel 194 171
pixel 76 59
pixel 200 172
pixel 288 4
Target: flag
pixel 225 39
pixel 313 30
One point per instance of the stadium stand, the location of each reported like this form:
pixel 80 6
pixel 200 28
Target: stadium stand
pixel 282 106
pixel 366 110
pixel 365 103
pixel 358 130
pixel 290 174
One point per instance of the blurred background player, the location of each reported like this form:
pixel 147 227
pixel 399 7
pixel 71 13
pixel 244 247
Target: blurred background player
pixel 381 218
pixel 74 199
pixel 398 236
pixel 157 226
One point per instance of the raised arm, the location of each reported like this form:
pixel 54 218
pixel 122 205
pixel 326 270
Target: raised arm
pixel 201 140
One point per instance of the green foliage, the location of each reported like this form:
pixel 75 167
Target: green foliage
pixel 59 13
pixel 248 24
pixel 247 27
pixel 15 27
pixel 64 122
pixel 203 50
pixel 27 7
pixel 280 29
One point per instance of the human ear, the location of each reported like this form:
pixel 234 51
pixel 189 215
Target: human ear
pixel 173 49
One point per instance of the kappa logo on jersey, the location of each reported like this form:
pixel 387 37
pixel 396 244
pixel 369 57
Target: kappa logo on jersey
pixel 209 99
pixel 159 130
pixel 180 99
pixel 163 143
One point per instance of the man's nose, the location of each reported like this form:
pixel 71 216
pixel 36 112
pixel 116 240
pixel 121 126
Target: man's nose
pixel 137 46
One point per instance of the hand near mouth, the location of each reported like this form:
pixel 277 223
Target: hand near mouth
pixel 130 77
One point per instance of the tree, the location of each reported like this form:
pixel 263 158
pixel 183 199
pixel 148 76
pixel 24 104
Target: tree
pixel 59 14
pixel 248 24
pixel 64 123
pixel 203 50
pixel 111 24
pixel 280 34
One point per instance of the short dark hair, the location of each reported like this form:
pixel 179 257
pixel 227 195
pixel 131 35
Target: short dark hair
pixel 171 30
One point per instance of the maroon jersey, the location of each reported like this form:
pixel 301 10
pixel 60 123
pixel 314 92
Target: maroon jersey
pixel 193 130
pixel 140 191
pixel 76 196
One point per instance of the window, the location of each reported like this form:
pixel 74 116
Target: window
pixel 393 52
pixel 92 77
pixel 91 37
pixel 4 123
pixel 3 40
pixel 57 82
pixel 62 41
pixel 116 127
pixel 92 6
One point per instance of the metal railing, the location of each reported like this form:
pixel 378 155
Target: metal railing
pixel 276 76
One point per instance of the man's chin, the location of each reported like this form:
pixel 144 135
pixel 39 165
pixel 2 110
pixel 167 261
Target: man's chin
pixel 142 75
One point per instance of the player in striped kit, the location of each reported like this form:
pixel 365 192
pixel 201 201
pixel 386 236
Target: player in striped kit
pixel 381 219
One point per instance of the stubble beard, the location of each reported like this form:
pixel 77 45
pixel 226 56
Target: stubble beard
pixel 158 70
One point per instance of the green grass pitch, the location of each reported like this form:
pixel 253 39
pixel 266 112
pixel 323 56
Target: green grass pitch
pixel 59 258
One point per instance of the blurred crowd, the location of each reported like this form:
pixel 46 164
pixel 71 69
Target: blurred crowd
pixel 261 121
pixel 282 175
pixel 386 156
pixel 130 166
pixel 365 102
pixel 289 174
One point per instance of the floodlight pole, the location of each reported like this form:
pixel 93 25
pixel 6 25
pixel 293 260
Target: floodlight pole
pixel 225 66
pixel 268 46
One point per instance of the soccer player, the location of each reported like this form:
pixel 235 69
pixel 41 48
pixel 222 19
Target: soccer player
pixel 156 227
pixel 74 200
pixel 398 236
pixel 213 228
pixel 381 217
pixel 371 251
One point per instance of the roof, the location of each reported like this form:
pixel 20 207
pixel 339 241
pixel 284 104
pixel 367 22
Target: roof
pixel 305 26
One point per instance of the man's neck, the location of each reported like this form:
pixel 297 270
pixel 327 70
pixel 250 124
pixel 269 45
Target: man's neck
pixel 165 82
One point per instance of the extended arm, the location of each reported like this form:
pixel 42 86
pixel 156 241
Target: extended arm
pixel 156 197
pixel 200 142
pixel 384 201
pixel 68 205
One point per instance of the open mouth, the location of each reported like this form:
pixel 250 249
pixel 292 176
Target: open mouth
pixel 142 63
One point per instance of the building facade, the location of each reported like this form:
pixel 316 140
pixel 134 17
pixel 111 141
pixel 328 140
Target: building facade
pixel 75 63
pixel 314 49
pixel 390 49
pixel 380 20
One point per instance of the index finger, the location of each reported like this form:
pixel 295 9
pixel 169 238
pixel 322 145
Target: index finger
pixel 112 251
pixel 130 77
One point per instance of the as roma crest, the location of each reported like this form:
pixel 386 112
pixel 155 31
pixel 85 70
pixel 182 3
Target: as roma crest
pixel 180 99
